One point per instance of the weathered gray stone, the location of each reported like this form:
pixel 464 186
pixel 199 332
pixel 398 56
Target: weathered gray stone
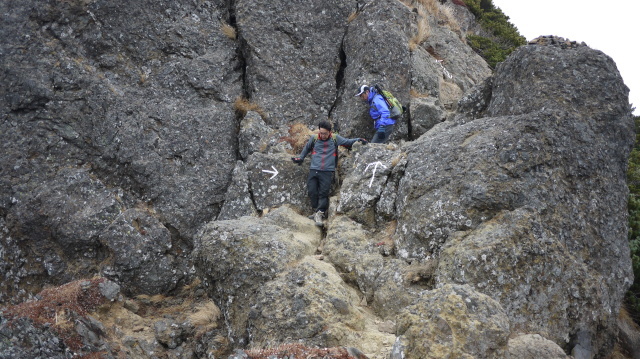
pixel 367 177
pixel 425 113
pixel 130 97
pixel 237 258
pixel 309 302
pixel 142 259
pixel 533 346
pixel 293 55
pixel 168 333
pixel 253 135
pixel 355 253
pixel 289 186
pixel 238 200
pixel 553 177
pixel 376 47
pixel 454 321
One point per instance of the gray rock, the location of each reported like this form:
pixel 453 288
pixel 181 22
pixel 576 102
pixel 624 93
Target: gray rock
pixel 143 258
pixel 288 187
pixel 354 252
pixel 238 257
pixel 549 181
pixel 253 135
pixel 454 321
pixel 367 177
pixel 107 105
pixel 109 290
pixel 376 49
pixel 533 346
pixel 24 340
pixel 238 200
pixel 425 113
pixel 168 333
pixel 309 302
pixel 293 56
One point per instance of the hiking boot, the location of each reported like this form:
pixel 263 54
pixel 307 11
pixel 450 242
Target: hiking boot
pixel 318 217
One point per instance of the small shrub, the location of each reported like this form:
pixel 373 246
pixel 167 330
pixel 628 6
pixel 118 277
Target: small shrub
pixel 506 37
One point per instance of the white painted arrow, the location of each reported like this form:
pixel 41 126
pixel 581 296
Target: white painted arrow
pixel 375 168
pixel 275 172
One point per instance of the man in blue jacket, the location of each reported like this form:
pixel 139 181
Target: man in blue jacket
pixel 379 112
pixel 324 157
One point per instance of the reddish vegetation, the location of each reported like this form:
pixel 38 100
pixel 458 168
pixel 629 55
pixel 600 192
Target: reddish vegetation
pixel 298 136
pixel 57 307
pixel 301 351
pixel 459 2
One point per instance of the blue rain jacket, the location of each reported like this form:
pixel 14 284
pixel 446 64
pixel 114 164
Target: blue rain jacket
pixel 379 110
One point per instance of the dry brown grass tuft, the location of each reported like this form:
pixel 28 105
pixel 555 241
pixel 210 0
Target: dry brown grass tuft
pixel 352 16
pixel 298 136
pixel 421 273
pixel 415 94
pixel 444 14
pixel 59 307
pixel 242 105
pixel 301 351
pixel 424 31
pixel 228 30
pixel 205 314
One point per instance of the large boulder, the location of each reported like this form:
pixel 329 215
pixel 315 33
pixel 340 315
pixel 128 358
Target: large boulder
pixel 542 166
pixel 109 105
pixel 387 284
pixel 308 302
pixel 533 346
pixel 142 258
pixel 237 257
pixel 275 180
pixel 453 321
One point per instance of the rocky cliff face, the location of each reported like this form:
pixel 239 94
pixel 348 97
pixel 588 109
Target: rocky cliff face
pixel 493 225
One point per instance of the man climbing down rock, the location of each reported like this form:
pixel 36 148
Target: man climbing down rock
pixel 379 112
pixel 324 157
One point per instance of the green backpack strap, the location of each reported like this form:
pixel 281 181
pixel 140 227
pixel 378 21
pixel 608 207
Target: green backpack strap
pixel 334 137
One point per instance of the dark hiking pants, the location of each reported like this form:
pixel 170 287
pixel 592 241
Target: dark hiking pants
pixel 319 186
pixel 382 134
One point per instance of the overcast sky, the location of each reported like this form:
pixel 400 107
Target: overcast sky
pixel 609 26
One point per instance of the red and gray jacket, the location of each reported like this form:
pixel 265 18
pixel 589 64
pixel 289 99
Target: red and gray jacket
pixel 325 152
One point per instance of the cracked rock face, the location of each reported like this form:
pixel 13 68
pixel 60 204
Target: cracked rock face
pixel 500 201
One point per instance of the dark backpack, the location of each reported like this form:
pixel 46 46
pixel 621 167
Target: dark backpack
pixel 395 107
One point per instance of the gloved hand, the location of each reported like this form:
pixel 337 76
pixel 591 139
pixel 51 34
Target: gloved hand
pixel 363 141
pixel 297 160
